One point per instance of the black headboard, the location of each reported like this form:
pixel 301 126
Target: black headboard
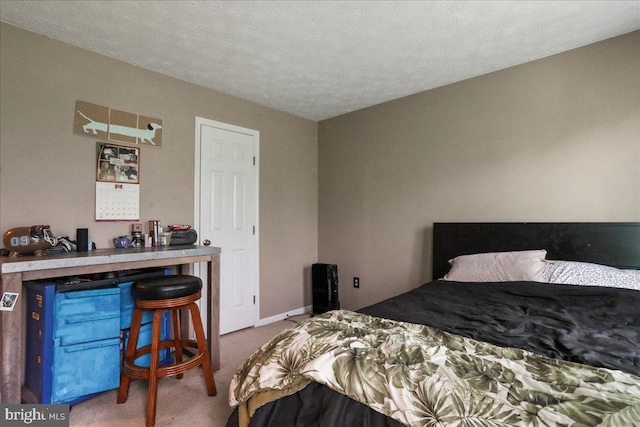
pixel 610 243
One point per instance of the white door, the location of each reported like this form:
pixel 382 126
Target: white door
pixel 227 210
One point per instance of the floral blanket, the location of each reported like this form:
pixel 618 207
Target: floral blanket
pixel 421 376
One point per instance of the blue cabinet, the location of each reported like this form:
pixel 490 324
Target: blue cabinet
pixel 75 341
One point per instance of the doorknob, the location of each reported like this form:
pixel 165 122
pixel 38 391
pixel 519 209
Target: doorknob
pixel 206 242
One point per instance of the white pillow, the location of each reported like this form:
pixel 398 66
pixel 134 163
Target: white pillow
pixel 498 267
pixel 584 273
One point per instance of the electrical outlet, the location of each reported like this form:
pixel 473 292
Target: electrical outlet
pixel 356 282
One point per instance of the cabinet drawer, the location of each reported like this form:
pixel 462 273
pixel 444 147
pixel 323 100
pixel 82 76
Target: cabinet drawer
pixel 83 369
pixel 83 316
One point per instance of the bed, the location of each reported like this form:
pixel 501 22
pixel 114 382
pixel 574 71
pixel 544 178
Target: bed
pixel 536 324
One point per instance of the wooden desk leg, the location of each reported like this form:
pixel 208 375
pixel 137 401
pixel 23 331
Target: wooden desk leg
pixel 213 310
pixel 11 341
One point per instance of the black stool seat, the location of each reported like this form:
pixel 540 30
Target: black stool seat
pixel 166 287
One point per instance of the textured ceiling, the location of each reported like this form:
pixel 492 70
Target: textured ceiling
pixel 318 59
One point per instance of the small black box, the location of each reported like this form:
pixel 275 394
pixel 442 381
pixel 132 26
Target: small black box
pixel 183 237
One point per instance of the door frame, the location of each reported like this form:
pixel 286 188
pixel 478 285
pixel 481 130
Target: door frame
pixel 200 269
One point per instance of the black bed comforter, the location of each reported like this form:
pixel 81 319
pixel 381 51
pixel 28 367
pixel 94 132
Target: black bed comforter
pixel 597 326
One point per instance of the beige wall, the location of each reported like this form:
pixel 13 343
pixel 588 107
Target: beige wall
pixel 47 174
pixel 557 139
pixel 553 140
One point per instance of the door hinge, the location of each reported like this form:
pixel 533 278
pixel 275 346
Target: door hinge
pixel 254 300
pixel 254 230
pixel 254 160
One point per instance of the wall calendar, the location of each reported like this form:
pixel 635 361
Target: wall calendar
pixel 117 201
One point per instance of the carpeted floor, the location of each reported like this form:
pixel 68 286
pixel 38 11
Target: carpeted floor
pixel 181 403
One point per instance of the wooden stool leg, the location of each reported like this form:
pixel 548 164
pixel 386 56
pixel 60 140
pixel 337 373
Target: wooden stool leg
pixel 177 344
pixel 202 348
pixel 125 380
pixel 153 368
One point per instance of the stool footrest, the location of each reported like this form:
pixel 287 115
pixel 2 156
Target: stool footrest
pixel 135 371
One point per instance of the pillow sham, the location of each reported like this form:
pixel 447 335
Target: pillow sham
pixel 498 267
pixel 588 274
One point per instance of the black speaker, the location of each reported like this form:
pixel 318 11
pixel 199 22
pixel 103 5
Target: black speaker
pixel 183 237
pixel 82 239
pixel 324 279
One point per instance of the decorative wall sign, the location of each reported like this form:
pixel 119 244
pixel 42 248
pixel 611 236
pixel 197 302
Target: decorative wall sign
pixel 100 122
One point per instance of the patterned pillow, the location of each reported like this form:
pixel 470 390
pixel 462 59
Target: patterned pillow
pixel 583 273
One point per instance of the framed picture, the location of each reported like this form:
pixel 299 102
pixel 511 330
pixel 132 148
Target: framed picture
pixel 8 301
pixel 117 163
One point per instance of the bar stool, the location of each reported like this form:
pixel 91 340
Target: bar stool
pixel 174 293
